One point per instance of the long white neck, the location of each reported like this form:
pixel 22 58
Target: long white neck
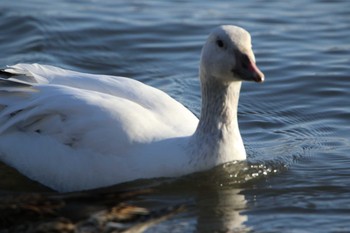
pixel 217 138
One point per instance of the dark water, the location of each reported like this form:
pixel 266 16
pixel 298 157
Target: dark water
pixel 295 126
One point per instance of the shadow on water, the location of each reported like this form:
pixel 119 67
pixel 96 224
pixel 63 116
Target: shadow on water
pixel 213 197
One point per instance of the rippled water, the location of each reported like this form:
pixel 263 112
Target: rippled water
pixel 295 125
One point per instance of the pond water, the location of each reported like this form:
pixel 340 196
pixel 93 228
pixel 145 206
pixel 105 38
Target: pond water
pixel 295 125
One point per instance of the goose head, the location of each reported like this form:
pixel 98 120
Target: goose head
pixel 227 56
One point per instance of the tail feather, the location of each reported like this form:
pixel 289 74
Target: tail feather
pixel 4 74
pixel 9 83
pixel 15 74
pixel 11 95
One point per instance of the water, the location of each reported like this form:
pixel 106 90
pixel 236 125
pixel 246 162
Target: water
pixel 295 125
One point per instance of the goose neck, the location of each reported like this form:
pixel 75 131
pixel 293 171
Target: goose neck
pixel 217 138
pixel 219 107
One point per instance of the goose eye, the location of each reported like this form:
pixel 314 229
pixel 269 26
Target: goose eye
pixel 220 43
pixel 245 61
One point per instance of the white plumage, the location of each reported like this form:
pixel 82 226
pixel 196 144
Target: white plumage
pixel 74 131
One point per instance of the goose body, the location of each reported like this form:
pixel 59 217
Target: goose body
pixel 74 131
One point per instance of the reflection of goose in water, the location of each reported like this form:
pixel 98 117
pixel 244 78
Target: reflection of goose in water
pixel 220 211
pixel 74 131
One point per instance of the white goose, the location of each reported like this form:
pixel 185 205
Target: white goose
pixel 74 131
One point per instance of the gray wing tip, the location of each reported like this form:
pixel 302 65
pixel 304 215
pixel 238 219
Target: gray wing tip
pixel 6 82
pixel 5 75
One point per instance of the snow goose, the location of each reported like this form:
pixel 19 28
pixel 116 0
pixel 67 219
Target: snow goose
pixel 75 131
